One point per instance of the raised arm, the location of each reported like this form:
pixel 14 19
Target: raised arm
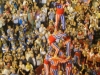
pixel 64 60
pixel 88 2
pixel 67 3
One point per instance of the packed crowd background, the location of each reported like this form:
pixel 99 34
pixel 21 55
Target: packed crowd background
pixel 25 26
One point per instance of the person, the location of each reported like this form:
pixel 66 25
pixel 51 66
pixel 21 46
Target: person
pixel 31 18
pixel 39 60
pixel 51 14
pixel 46 63
pixel 6 71
pixel 59 14
pixel 90 35
pixel 32 60
pixel 21 65
pixel 13 72
pixel 97 61
pixel 90 57
pixel 1 24
pixel 68 44
pixel 77 54
pixel 29 67
pixel 86 1
pixel 43 34
pixel 69 67
pixel 54 61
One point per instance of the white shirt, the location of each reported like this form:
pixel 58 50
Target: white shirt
pixel 39 61
pixel 22 66
pixel 44 1
pixel 15 18
pixel 10 2
pixel 27 56
pixel 42 52
pixel 34 61
pixel 6 72
pixel 44 9
pixel 47 35
pixel 42 30
pixel 38 23
pixel 43 17
pixel 33 0
pixel 24 2
pixel 70 9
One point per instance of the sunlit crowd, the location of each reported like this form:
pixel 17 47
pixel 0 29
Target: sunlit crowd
pixel 26 30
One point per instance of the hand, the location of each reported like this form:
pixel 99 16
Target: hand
pixel 69 57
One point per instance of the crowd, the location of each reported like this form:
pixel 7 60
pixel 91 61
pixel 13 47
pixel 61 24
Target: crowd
pixel 32 33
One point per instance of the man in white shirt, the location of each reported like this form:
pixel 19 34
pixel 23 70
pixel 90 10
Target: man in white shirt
pixel 6 71
pixel 39 60
pixel 15 19
pixel 70 8
pixel 43 17
pixel 42 29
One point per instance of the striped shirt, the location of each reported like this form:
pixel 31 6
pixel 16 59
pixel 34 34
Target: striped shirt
pixel 55 47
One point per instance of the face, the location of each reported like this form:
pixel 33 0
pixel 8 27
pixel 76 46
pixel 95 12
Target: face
pixel 78 4
pixel 23 57
pixel 75 38
pixel 28 63
pixel 44 5
pixel 42 25
pixel 73 29
pixel 62 2
pixel 91 50
pixel 20 62
pixel 28 49
pixel 9 27
pixel 38 55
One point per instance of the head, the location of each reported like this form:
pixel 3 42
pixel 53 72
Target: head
pixel 42 25
pixel 23 57
pixel 20 62
pixel 28 63
pixel 28 49
pixel 78 4
pixel 91 50
pixel 60 72
pixel 62 1
pixel 9 27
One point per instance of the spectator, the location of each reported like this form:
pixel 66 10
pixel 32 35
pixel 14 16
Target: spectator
pixel 39 60
pixel 26 27
pixel 6 71
pixel 32 60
